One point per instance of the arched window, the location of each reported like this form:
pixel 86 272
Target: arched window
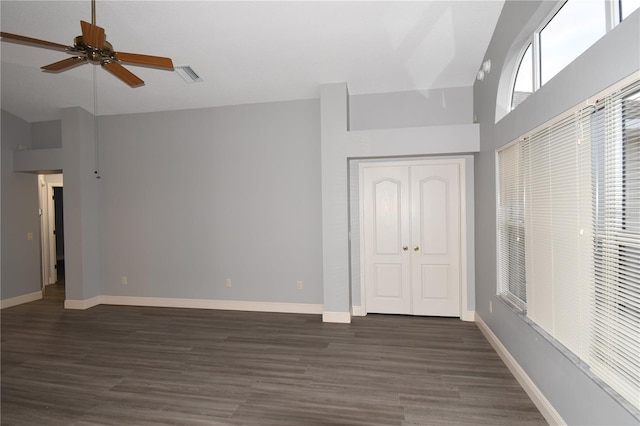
pixel 523 84
pixel 571 29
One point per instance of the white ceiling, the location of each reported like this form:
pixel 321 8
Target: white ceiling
pixel 246 52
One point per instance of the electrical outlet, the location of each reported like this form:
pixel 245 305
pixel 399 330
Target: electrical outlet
pixel 299 285
pixel 30 236
pixel 123 280
pixel 227 283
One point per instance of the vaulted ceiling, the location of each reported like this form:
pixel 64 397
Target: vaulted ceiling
pixel 245 52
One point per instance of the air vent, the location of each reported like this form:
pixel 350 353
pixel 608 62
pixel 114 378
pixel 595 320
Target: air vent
pixel 188 74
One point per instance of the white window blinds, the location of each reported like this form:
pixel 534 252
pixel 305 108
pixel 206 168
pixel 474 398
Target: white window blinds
pixel 615 329
pixel 558 224
pixel 569 234
pixel 511 261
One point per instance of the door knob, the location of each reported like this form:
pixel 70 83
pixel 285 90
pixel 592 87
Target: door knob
pixel 405 248
pixel 416 248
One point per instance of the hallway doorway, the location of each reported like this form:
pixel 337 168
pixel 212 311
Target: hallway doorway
pixel 51 197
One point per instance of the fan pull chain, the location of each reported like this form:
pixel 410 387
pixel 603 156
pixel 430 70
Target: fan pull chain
pixel 96 172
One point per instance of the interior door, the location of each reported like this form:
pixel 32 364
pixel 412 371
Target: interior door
pixel 411 238
pixel 435 224
pixel 387 257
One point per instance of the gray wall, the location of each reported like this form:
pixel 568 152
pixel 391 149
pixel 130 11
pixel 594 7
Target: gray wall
pixel 20 257
pixel 46 134
pixel 81 205
pixel 191 198
pixel 338 145
pixel 577 398
pixel 435 107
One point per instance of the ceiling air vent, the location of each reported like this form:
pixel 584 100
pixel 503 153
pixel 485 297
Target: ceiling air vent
pixel 188 74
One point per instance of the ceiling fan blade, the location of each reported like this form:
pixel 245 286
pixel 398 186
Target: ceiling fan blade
pixel 65 64
pixel 92 35
pixel 147 60
pixel 123 74
pixel 39 43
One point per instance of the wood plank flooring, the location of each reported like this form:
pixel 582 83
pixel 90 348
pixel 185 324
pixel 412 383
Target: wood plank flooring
pixel 116 365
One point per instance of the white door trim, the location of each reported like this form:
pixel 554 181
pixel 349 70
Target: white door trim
pixel 44 224
pixel 465 314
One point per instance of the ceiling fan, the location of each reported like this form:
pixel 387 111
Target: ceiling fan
pixel 93 47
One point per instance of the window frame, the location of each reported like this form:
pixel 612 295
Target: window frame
pixel 613 17
pixel 516 71
pixel 600 371
pixel 510 217
pixel 613 291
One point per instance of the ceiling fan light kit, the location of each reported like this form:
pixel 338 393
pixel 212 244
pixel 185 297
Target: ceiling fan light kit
pixel 93 47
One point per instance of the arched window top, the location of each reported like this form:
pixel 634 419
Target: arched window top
pixel 570 29
pixel 523 83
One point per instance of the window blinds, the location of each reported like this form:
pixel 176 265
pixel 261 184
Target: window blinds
pixel 511 265
pixel 558 224
pixel 615 299
pixel 569 234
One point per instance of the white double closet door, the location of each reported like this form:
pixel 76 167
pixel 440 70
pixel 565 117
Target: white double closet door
pixel 411 237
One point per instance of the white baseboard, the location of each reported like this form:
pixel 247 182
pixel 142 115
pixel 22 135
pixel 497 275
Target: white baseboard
pixel 468 316
pixel 19 300
pixel 358 311
pixel 82 304
pixel 338 317
pixel 229 305
pixel 546 409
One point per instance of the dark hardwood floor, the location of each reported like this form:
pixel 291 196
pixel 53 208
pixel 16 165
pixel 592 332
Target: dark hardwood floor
pixel 116 365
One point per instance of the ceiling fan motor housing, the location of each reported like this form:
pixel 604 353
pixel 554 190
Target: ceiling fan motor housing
pixel 97 56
